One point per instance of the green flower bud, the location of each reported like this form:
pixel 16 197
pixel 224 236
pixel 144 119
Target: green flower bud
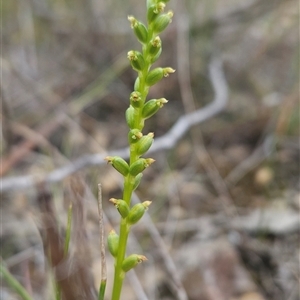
pixel 134 135
pixel 113 243
pixel 136 99
pixel 137 180
pixel 154 76
pixel 162 21
pixel 139 29
pixel 152 106
pixel 154 10
pixel 151 15
pixel 136 60
pixel 140 165
pixel 144 143
pixel 130 117
pixel 157 74
pixel 119 164
pixel 137 211
pixel 160 6
pixel 155 48
pixel 131 261
pixel 121 205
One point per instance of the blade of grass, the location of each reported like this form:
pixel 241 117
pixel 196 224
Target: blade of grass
pixel 102 246
pixel 66 247
pixel 68 231
pixel 14 283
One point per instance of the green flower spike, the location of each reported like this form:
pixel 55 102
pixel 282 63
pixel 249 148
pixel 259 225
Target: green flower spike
pixel 131 261
pixel 139 110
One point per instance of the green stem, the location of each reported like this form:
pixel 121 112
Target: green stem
pixel 124 232
pixel 119 274
pixel 68 231
pixel 14 284
pixel 66 247
pixel 102 290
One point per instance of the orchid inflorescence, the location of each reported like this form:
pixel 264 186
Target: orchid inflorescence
pixel 139 110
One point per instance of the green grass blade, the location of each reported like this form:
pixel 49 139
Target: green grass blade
pixel 102 290
pixel 68 231
pixel 14 283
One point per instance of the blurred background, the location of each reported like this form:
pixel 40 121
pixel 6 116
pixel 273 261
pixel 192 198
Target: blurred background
pixel 225 197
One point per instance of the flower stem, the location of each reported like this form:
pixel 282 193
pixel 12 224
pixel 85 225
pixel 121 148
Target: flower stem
pixel 124 232
pixel 119 274
pixel 136 114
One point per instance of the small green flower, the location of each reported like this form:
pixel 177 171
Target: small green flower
pixel 155 45
pixel 157 74
pixel 154 76
pixel 152 106
pixel 136 59
pixel 139 29
pixel 131 261
pixel 137 211
pixel 134 136
pixel 159 8
pixel 144 143
pixel 140 165
pixel 162 21
pixel 136 99
pixel 121 206
pixel 168 71
pixel 155 49
pixel 154 10
pixel 113 243
pixel 119 164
